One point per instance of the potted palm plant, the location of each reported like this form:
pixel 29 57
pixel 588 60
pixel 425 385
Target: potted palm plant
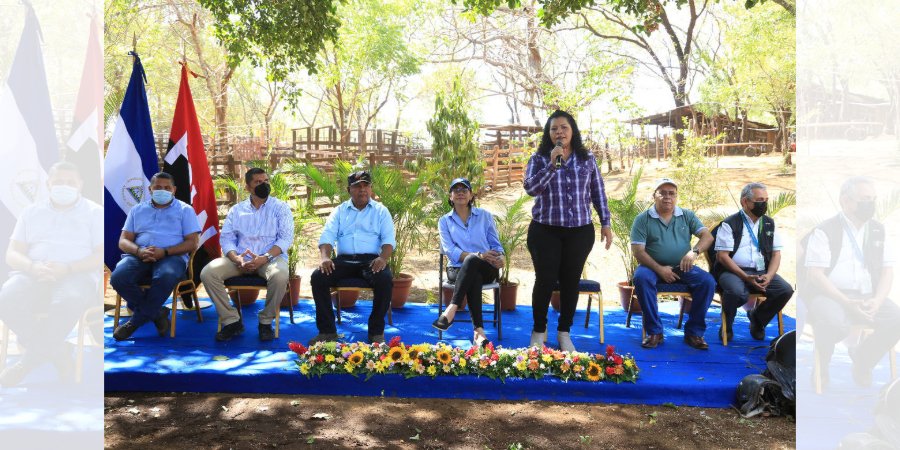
pixel 624 211
pixel 512 228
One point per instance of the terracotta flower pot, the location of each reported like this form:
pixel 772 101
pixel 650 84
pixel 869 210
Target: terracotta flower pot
pixel 348 298
pixel 292 297
pixel 448 297
pixel 402 286
pixel 247 296
pixel 508 296
pixel 626 294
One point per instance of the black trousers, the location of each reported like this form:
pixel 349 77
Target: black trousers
pixel 468 279
pixel 352 266
pixel 558 253
pixel 735 293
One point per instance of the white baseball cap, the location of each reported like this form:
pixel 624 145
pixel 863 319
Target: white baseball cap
pixel 663 181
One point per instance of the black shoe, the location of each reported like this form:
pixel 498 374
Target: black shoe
pixel 14 374
pixel 442 323
pixel 266 333
pixel 696 341
pixel 757 330
pixel 652 340
pixel 862 375
pixel 125 331
pixel 162 322
pixel 64 363
pixel 229 331
pixel 730 334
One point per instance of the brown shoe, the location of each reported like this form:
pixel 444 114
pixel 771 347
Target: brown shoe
pixel 696 342
pixel 652 340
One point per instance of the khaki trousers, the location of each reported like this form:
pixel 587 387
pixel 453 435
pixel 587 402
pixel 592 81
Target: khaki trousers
pixel 217 271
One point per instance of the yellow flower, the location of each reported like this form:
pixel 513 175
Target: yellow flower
pixel 349 367
pixel 521 365
pixel 444 356
pixel 380 366
pixel 432 370
pixel 594 372
pixel 304 369
pixel 329 358
pixel 446 368
pixel 397 354
pixel 462 362
pixel 356 358
pixel 629 363
pixel 564 367
pixel 547 358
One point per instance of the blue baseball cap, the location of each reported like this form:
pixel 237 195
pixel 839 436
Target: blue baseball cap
pixel 461 181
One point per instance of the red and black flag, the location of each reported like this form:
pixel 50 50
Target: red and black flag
pixel 186 161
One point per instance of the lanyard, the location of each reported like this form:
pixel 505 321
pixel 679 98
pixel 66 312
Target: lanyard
pixel 857 251
pixel 753 238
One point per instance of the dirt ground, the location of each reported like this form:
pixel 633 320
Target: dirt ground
pixel 243 421
pixel 225 421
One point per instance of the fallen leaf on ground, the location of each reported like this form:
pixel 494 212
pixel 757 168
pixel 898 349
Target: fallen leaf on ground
pixel 295 402
pixel 321 416
pixel 133 410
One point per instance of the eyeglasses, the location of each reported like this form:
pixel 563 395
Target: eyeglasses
pixel 667 193
pixel 459 190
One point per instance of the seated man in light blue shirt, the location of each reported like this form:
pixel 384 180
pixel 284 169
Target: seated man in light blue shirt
pixel 157 238
pixel 255 238
pixel 364 233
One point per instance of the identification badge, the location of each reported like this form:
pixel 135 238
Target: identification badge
pixel 865 285
pixel 760 264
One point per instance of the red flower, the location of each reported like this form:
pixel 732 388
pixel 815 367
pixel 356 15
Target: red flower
pixel 471 351
pixel 490 347
pixel 610 370
pixel 320 359
pixel 575 359
pixel 297 347
pixel 495 356
pixel 395 341
pixel 617 359
pixel 610 350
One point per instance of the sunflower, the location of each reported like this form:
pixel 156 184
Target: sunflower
pixel 396 354
pixel 593 372
pixel 355 358
pixel 444 357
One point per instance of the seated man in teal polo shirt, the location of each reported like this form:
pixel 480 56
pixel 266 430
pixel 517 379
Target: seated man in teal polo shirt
pixel 661 242
pixel 156 240
pixel 364 233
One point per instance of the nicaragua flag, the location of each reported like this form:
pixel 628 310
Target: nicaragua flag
pixel 186 161
pixel 86 141
pixel 130 162
pixel 28 146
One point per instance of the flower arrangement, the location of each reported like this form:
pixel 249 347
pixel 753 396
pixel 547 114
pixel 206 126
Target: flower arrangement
pixel 362 359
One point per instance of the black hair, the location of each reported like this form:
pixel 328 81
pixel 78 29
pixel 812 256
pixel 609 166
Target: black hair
pixel 248 177
pixel 547 143
pixel 163 176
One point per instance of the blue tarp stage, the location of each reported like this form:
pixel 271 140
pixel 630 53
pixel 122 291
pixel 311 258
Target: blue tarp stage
pixel 194 362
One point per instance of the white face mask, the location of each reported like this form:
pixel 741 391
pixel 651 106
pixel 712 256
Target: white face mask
pixel 63 195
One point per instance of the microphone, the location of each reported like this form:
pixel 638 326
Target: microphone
pixel 559 144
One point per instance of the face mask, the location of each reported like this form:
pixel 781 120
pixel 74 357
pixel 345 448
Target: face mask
pixel 865 210
pixel 760 208
pixel 63 195
pixel 161 196
pixel 262 190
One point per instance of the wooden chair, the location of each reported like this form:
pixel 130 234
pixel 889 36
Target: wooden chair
pixel 495 287
pixel 4 344
pixel 817 368
pixel 359 286
pixel 185 286
pixel 753 300
pixel 674 289
pixel 252 282
pixel 591 288
pixel 92 316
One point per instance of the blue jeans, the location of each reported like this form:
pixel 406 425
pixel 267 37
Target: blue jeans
pixel 700 284
pixel 162 276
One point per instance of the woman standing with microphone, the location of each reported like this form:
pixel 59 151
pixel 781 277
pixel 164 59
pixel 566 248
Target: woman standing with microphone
pixel 565 181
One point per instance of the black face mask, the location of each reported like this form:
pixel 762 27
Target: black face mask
pixel 865 210
pixel 759 208
pixel 262 190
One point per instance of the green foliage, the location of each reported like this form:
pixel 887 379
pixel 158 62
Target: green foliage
pixel 281 36
pixel 697 178
pixel 512 229
pixel 624 211
pixel 455 151
pixel 409 205
pixel 553 12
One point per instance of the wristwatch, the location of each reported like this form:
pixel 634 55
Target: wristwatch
pixel 696 250
pixel 268 256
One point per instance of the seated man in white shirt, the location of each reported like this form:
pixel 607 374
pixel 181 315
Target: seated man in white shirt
pixel 850 270
pixel 55 254
pixel 748 255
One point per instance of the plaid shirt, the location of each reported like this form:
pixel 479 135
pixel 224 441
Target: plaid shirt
pixel 563 196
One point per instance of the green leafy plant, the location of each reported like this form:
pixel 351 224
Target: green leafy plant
pixel 624 211
pixel 455 151
pixel 409 205
pixel 698 184
pixel 512 229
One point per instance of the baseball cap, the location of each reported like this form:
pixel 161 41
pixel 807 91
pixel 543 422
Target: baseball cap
pixel 461 181
pixel 359 177
pixel 663 181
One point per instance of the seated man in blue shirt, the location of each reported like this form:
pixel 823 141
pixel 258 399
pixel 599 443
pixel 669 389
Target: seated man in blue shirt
pixel 255 238
pixel 364 233
pixel 157 238
pixel 661 242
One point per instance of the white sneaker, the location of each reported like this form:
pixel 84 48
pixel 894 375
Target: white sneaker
pixel 538 339
pixel 565 342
